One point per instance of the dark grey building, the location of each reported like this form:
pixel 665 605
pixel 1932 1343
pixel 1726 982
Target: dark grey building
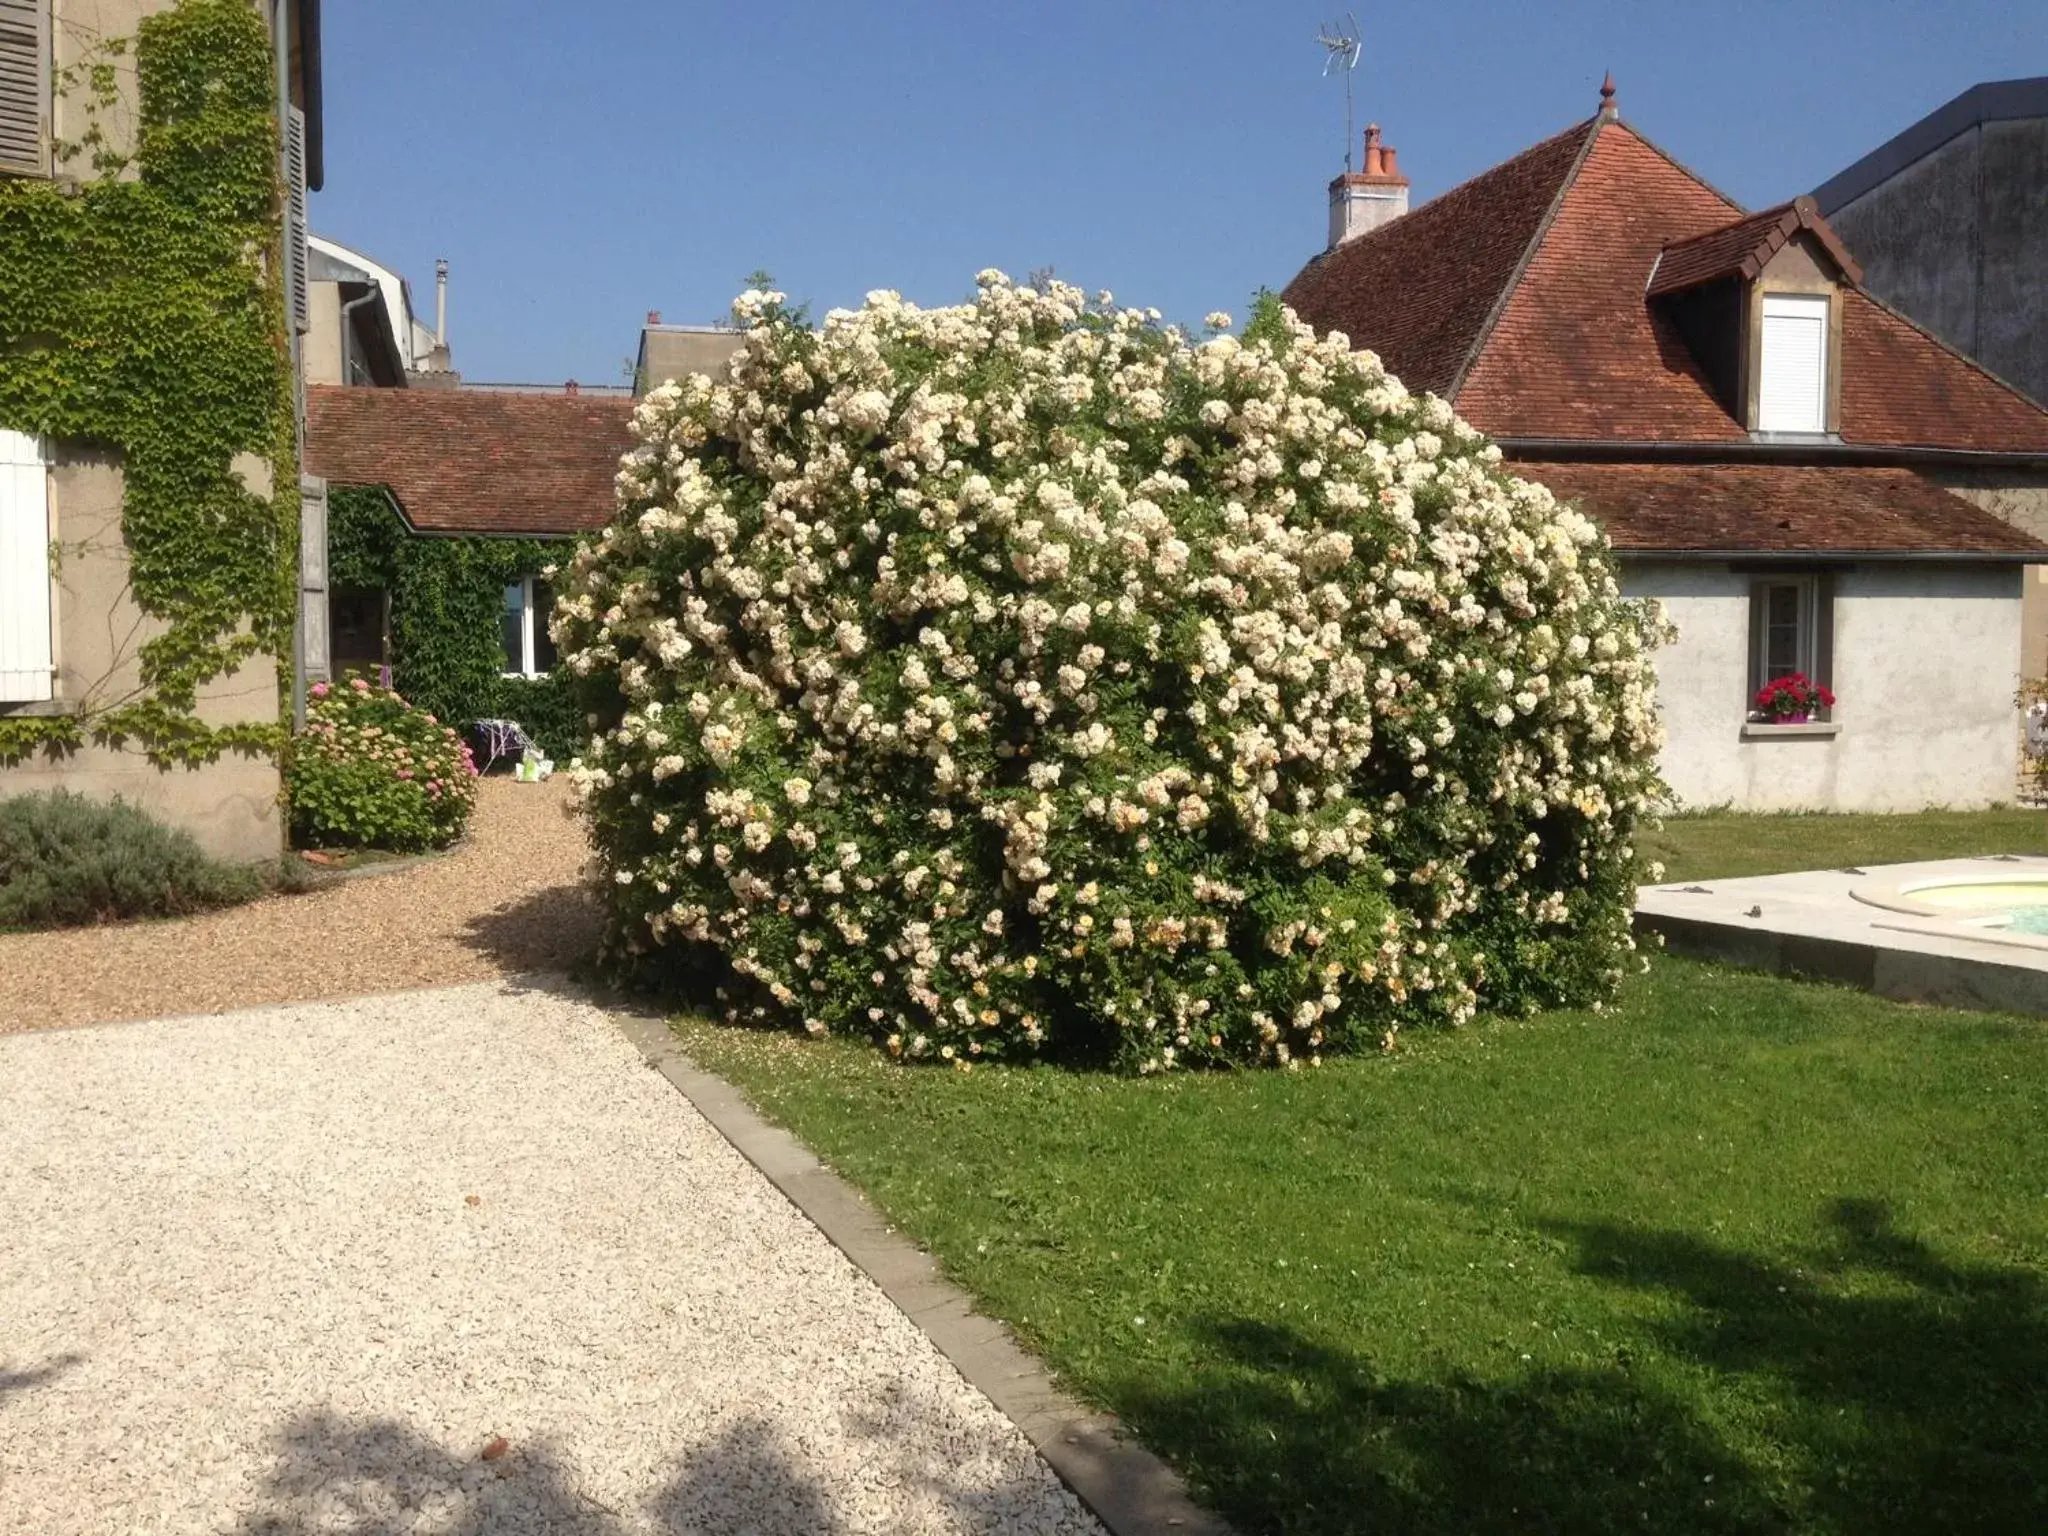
pixel 1950 222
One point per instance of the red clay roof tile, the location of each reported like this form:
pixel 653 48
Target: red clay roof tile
pixel 1419 290
pixel 1903 388
pixel 473 461
pixel 1740 249
pixel 1522 296
pixel 1578 352
pixel 1778 509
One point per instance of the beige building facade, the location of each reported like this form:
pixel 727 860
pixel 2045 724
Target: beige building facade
pixel 71 632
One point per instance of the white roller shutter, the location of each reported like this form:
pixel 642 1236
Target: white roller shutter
pixel 25 655
pixel 1793 393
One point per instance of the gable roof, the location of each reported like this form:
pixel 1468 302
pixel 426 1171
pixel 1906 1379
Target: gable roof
pixel 1780 509
pixel 1539 323
pixel 463 461
pixel 1743 248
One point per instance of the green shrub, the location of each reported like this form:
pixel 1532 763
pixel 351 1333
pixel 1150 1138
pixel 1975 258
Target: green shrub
pixel 547 707
pixel 66 860
pixel 369 770
pixel 1022 676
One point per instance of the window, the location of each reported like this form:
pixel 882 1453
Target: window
pixel 1792 384
pixel 529 650
pixel 1791 629
pixel 356 626
pixel 24 86
pixel 26 656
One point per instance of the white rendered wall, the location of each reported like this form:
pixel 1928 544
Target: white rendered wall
pixel 1926 660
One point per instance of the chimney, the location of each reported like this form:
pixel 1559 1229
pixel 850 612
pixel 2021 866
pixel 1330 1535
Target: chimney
pixel 654 317
pixel 572 388
pixel 438 370
pixel 1361 201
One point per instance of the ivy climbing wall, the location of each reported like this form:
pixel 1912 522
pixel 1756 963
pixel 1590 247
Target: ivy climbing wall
pixel 143 339
pixel 446 597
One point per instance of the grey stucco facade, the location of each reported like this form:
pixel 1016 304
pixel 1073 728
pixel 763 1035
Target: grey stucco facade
pixel 1950 222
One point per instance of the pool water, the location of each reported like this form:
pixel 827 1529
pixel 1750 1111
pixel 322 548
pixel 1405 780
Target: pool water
pixel 2018 906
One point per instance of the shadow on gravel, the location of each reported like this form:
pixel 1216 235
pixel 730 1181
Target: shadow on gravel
pixel 376 1477
pixel 12 1381
pixel 555 929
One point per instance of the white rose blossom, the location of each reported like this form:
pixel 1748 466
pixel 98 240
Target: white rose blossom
pixel 956 671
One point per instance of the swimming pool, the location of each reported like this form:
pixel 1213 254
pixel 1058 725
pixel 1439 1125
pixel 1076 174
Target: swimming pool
pixel 2011 904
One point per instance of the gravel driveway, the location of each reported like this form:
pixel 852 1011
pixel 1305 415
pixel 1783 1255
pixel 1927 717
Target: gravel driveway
pixel 506 902
pixel 451 1262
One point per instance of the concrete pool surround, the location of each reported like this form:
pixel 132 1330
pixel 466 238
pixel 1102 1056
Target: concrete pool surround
pixel 1947 931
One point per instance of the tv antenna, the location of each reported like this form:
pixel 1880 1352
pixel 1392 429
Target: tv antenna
pixel 1341 48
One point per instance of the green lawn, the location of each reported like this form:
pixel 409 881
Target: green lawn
pixel 1725 844
pixel 1743 1255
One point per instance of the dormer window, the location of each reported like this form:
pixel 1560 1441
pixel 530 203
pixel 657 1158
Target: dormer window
pixel 1792 384
pixel 1759 303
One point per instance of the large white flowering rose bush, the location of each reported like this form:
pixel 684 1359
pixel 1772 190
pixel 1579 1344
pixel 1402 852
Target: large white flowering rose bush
pixel 1022 676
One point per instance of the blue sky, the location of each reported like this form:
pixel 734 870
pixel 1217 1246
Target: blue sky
pixel 580 164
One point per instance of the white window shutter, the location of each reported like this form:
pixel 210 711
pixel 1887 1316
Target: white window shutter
pixel 26 658
pixel 315 658
pixel 295 221
pixel 24 86
pixel 1792 393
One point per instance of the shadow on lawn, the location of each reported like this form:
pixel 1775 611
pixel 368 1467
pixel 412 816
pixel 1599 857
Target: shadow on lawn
pixel 1918 1401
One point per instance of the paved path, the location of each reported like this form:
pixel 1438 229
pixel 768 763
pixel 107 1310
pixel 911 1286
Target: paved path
pixel 312 1268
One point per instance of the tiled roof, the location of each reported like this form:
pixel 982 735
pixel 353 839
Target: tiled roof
pixel 1578 352
pixel 1903 388
pixel 1778 509
pixel 1740 249
pixel 1418 291
pixel 1523 296
pixel 462 461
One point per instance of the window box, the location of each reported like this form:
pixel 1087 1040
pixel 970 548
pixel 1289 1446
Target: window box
pixel 1804 730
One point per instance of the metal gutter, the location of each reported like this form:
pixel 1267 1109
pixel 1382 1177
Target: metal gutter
pixel 1837 557
pixel 309 71
pixel 1747 451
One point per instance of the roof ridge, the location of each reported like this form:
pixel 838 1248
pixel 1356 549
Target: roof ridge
pixel 1683 169
pixel 1451 191
pixel 1591 128
pixel 1778 210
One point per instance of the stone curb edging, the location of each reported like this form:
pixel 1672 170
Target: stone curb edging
pixel 1131 1491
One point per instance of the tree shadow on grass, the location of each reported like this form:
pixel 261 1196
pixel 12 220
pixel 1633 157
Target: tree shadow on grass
pixel 1875 1388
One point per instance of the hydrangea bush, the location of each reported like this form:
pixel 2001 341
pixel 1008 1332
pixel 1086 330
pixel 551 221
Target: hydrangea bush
pixel 1024 675
pixel 370 770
